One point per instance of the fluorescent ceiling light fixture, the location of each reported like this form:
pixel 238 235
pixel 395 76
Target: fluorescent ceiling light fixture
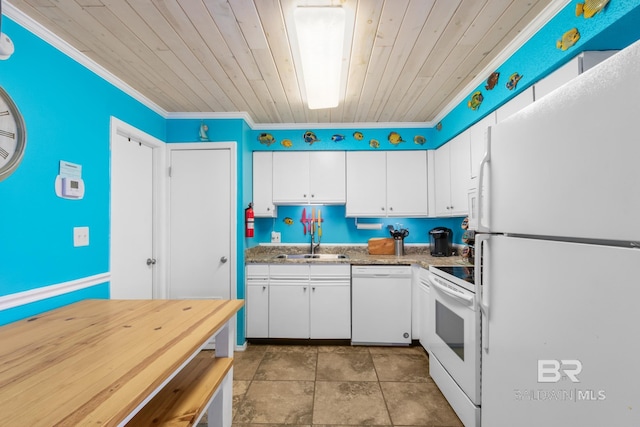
pixel 320 32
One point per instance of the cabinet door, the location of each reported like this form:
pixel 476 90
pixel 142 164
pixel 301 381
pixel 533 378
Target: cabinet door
pixel 263 184
pixel 407 183
pixel 460 179
pixel 257 310
pixel 330 311
pixel 327 177
pixel 366 184
pixel 562 75
pixel 290 177
pixel 514 105
pixel 288 310
pixel 443 180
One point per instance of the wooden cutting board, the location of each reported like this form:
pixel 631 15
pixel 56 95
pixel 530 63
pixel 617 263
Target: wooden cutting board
pixel 381 246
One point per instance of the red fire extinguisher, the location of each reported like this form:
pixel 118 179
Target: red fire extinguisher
pixel 248 221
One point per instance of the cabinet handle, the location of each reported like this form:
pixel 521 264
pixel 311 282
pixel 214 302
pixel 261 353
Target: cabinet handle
pixel 264 288
pixel 313 195
pixel 305 289
pixel 391 208
pixel 304 195
pixel 382 208
pixel 313 288
pixel 268 209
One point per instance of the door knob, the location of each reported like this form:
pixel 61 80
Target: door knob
pixel 151 261
pixel 223 259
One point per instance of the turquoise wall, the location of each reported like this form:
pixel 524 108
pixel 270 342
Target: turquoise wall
pixel 67 110
pixel 338 229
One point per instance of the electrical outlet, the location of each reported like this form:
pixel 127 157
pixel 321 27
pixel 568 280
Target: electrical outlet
pixel 80 236
pixel 275 237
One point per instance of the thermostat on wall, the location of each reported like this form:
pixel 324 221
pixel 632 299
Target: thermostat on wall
pixel 72 187
pixel 69 183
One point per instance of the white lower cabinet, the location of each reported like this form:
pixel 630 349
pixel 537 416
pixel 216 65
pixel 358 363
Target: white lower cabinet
pixel 330 302
pixel 289 310
pixel 299 301
pixel 257 300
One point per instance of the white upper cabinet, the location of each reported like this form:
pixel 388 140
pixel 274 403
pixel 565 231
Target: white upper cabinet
pixel 514 105
pixel 366 183
pixel 262 184
pixel 453 176
pixel 578 65
pixel 392 183
pixel 407 183
pixel 303 177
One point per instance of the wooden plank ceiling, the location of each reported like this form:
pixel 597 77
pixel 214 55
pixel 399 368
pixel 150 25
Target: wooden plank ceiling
pixel 409 58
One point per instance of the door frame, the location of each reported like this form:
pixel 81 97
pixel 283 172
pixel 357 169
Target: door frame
pixel 159 208
pixel 232 146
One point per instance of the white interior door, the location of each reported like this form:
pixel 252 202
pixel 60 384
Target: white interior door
pixel 200 223
pixel 131 219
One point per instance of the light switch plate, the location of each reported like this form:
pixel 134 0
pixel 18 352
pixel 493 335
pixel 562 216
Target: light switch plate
pixel 80 236
pixel 275 237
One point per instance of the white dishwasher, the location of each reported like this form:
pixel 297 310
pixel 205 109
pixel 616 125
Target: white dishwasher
pixel 381 305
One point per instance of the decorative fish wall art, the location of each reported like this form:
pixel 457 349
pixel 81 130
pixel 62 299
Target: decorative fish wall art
pixel 492 81
pixel 337 138
pixel 358 136
pixel 589 8
pixel 288 221
pixel 374 143
pixel 476 100
pixel 310 137
pixel 266 139
pixel 568 39
pixel 286 143
pixel 419 139
pixel 395 138
pixel 513 81
pixel 439 126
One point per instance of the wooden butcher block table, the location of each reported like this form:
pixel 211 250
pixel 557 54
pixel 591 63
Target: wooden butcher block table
pixel 97 362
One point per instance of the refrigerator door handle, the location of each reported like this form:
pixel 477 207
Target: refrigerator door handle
pixel 483 224
pixel 482 279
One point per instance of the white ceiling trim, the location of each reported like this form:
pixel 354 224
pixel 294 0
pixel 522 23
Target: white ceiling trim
pixel 285 126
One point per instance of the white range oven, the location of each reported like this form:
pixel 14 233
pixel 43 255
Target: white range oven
pixel 453 339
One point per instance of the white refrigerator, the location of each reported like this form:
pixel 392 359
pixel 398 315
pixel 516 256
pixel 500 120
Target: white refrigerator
pixel 558 256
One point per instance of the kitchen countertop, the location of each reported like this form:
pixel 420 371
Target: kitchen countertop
pixel 358 255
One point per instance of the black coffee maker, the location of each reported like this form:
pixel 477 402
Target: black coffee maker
pixel 440 241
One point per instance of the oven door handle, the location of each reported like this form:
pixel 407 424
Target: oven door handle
pixel 468 300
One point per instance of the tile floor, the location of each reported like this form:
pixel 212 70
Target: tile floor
pixel 336 386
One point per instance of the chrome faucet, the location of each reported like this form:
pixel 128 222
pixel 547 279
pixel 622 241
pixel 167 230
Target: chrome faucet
pixel 312 247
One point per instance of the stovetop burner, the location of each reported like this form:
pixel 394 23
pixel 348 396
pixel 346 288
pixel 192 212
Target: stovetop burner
pixel 460 272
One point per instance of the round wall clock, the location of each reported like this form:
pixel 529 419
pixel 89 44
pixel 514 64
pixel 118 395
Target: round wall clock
pixel 13 135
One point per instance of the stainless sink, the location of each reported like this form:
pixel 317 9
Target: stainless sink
pixel 319 257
